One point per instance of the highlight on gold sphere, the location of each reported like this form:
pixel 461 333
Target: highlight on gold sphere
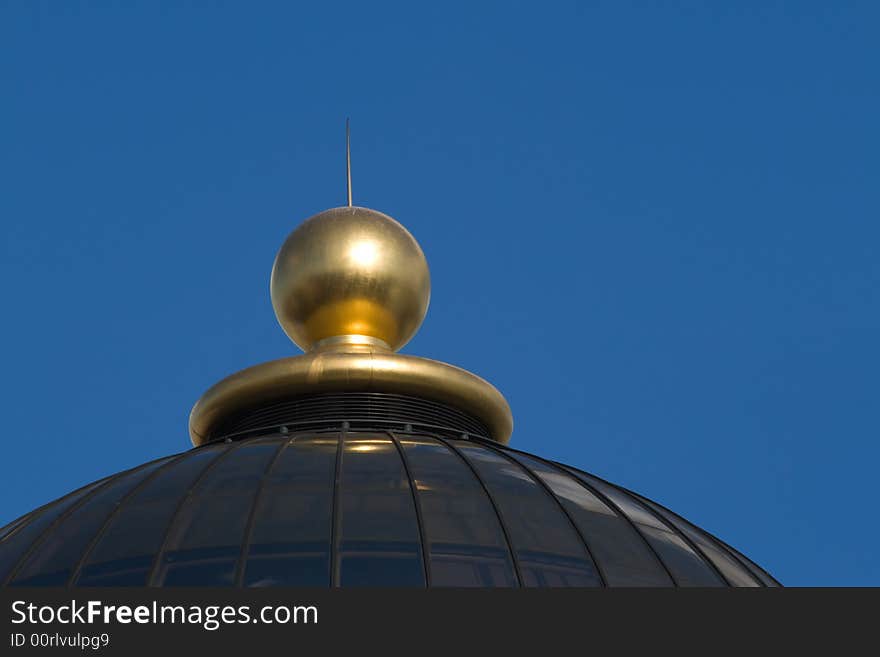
pixel 351 272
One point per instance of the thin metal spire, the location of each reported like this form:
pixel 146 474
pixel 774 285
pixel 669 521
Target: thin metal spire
pixel 348 158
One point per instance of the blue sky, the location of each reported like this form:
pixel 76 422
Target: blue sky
pixel 654 229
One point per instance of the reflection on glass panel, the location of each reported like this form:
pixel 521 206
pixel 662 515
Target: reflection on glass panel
pixel 15 543
pixel 465 543
pixel 732 569
pixel 290 542
pixel 124 554
pixel 620 551
pixel 205 539
pixel 549 551
pixel 754 568
pixel 53 560
pixel 15 524
pixel 686 566
pixel 379 543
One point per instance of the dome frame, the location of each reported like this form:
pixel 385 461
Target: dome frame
pixel 548 518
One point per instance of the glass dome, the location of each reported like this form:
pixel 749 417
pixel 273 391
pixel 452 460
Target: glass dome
pixel 355 507
pixel 353 465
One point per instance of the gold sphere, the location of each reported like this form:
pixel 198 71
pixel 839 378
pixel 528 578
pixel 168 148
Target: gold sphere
pixel 350 272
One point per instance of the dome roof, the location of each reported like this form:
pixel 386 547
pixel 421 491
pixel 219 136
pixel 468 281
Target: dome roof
pixel 349 506
pixel 353 465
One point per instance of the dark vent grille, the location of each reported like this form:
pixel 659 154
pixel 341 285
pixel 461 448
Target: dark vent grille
pixel 359 409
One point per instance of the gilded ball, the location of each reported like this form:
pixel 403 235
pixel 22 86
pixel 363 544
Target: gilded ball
pixel 350 271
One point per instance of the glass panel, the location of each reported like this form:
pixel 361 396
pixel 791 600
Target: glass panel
pixel 52 562
pixel 125 553
pixel 549 551
pixel 465 543
pixel 622 554
pixel 379 543
pixel 16 543
pixel 205 539
pixel 754 568
pixel 15 524
pixel 733 570
pixel 686 566
pixel 290 542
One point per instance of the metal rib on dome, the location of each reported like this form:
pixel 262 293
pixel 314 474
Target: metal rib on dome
pixel 362 508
